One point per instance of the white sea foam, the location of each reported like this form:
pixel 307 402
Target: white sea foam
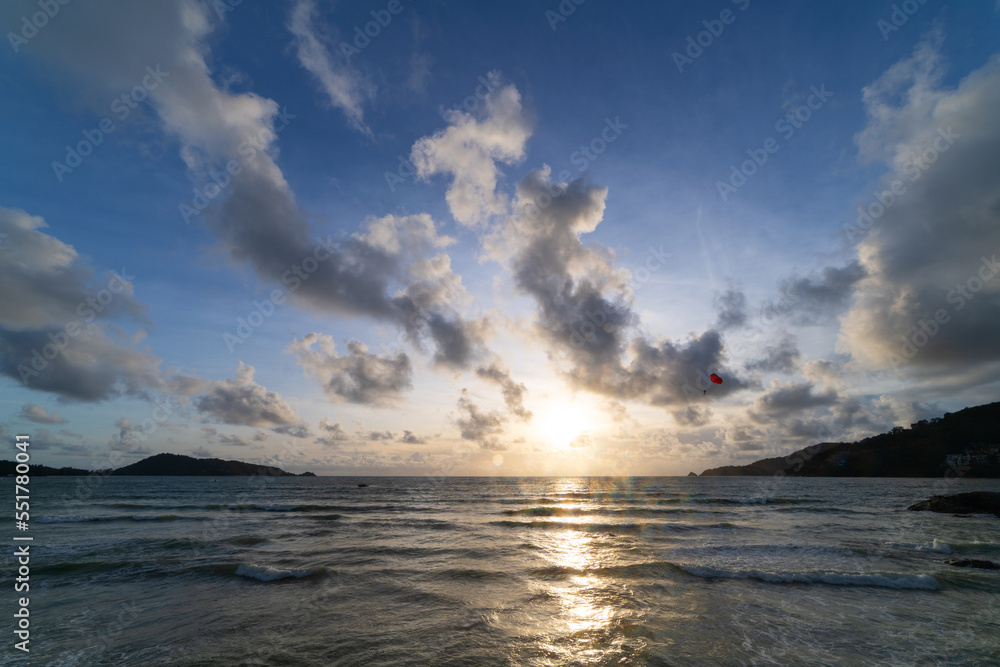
pixel 936 546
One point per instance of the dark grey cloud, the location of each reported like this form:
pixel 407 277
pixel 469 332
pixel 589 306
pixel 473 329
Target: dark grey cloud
pixel 584 304
pixel 232 440
pixel 783 357
pixel 732 309
pixel 410 439
pixel 294 430
pixel 479 426
pixel 331 435
pixel 784 400
pixel 379 435
pixel 129 438
pixel 242 401
pixel 815 299
pixel 692 415
pixel 39 415
pixel 513 392
pixel 935 248
pixel 52 325
pixel 356 377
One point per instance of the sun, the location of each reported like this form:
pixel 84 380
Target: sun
pixel 562 422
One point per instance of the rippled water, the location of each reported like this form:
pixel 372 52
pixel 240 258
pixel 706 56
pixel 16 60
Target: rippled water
pixel 475 571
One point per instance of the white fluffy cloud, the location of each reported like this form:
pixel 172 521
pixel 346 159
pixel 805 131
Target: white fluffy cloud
pixel 468 150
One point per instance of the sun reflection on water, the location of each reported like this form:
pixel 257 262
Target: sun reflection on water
pixel 588 606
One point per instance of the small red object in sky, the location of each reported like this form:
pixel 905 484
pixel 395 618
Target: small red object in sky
pixel 715 378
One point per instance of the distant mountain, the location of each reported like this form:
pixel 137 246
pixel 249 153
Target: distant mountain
pixel 177 464
pixel 167 464
pixel 9 468
pixel 966 443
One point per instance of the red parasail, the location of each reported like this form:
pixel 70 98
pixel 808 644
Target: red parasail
pixel 715 378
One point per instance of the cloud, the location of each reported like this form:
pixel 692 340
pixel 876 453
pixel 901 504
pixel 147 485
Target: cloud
pixel 232 440
pixel 818 298
pixel 478 426
pixel 242 401
pixel 468 150
pixel 692 415
pixel 256 217
pixel 346 87
pixel 584 304
pixel 128 438
pixel 618 412
pixel 780 358
pixel 332 435
pixel 782 401
pixel 410 439
pixel 202 453
pixel 294 430
pixel 356 377
pixel 732 308
pixel 50 339
pixel 937 241
pixel 39 415
pixel 380 435
pixel 513 392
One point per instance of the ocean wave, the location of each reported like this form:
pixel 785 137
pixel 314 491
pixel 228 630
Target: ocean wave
pixel 274 507
pixel 880 580
pixel 125 517
pixel 601 511
pixel 754 501
pixel 614 528
pixel 936 547
pixel 245 540
pixel 265 573
pixel 403 522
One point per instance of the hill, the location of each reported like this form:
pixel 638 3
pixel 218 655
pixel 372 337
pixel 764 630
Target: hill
pixel 169 465
pixel 8 468
pixel 177 464
pixel 964 443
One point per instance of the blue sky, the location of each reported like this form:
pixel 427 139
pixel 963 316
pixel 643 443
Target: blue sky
pixel 532 276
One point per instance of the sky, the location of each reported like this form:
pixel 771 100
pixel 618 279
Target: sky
pixel 433 238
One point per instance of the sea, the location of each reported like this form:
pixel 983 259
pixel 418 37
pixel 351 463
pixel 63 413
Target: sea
pixel 502 571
